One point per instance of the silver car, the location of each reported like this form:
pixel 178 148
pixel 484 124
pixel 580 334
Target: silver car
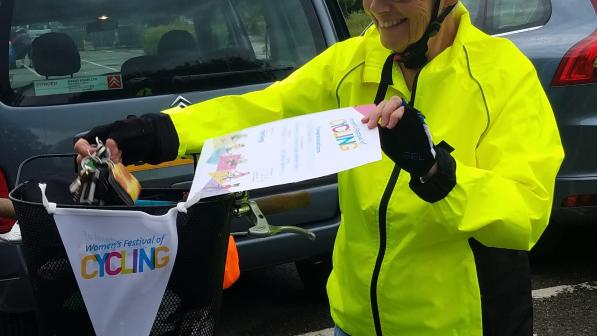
pixel 560 38
pixel 106 59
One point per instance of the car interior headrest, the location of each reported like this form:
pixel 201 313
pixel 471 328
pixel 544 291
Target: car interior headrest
pixel 238 53
pixel 176 41
pixel 140 66
pixel 55 54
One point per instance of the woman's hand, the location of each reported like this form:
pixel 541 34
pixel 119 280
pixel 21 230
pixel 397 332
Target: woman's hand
pixel 150 138
pixel 404 136
pixel 386 114
pixel 83 148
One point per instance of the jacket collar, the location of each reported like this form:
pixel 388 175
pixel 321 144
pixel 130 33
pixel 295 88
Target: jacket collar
pixel 376 54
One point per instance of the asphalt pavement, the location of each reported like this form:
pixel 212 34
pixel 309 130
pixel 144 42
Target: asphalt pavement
pixel 273 302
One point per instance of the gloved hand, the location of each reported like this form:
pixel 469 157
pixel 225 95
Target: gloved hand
pixel 150 138
pixel 409 143
pixel 404 135
pixel 406 140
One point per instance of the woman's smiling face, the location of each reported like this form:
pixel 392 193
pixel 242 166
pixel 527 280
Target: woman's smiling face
pixel 400 22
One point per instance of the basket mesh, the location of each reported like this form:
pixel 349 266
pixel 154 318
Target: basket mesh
pixel 191 302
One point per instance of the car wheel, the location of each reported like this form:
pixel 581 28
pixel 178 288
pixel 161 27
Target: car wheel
pixel 18 324
pixel 314 273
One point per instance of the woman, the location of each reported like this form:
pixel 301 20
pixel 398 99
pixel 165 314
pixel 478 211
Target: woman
pixel 433 236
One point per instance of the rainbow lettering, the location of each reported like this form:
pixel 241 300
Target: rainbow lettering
pixel 343 134
pixel 132 261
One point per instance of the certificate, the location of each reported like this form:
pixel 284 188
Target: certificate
pixel 286 151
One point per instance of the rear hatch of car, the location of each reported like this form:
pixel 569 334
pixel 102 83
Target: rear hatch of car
pixel 121 58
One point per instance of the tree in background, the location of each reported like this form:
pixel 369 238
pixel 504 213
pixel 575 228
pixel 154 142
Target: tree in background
pixel 356 19
pixel 350 6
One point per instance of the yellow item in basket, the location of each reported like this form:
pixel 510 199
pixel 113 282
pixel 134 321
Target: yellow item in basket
pixel 124 183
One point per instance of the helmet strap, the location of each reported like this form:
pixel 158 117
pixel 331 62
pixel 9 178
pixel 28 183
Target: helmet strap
pixel 414 56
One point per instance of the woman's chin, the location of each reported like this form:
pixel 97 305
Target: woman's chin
pixel 392 44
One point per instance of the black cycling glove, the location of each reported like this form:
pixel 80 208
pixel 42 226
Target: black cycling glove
pixel 409 144
pixel 150 138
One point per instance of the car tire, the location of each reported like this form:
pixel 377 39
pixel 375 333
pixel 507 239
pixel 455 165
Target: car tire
pixel 18 324
pixel 314 273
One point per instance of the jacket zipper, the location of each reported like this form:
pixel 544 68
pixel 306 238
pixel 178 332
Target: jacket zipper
pixel 386 80
pixel 383 207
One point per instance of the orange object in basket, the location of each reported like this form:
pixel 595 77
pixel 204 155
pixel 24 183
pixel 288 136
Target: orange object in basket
pixel 231 269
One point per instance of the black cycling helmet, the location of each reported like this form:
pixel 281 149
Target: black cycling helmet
pixel 413 57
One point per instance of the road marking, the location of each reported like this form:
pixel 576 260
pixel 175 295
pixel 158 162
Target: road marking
pixel 330 332
pixel 34 72
pixel 324 332
pixel 557 290
pixel 538 294
pixel 99 65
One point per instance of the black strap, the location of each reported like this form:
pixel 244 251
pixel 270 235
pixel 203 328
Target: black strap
pixel 431 27
pixel 444 14
pixel 414 57
pixel 446 146
pixel 386 80
pixel 413 94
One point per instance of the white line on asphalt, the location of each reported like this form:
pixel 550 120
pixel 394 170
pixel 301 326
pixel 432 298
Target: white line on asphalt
pixel 324 332
pixel 538 294
pixel 99 65
pixel 557 290
pixel 330 332
pixel 34 72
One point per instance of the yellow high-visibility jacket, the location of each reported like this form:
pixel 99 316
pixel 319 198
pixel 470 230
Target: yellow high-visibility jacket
pixel 483 97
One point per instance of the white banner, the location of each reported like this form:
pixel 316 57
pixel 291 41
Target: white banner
pixel 122 261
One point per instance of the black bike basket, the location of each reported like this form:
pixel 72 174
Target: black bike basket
pixel 191 302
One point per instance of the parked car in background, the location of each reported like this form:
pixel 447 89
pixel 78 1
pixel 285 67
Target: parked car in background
pixel 560 38
pixel 138 56
pixel 12 61
pixel 38 29
pixel 19 45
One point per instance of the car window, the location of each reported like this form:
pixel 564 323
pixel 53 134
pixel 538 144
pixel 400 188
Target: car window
pixel 509 15
pixel 474 7
pixel 73 51
pixel 502 16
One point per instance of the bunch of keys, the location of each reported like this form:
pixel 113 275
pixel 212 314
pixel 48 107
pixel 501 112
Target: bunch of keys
pixel 102 182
